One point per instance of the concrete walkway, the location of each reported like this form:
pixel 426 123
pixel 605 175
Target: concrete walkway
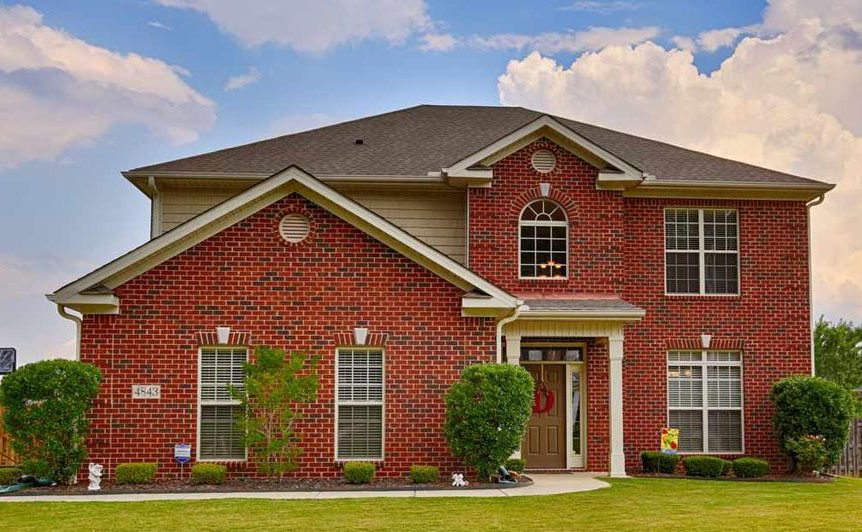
pixel 542 485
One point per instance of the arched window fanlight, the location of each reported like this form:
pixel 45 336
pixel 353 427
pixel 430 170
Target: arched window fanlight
pixel 544 241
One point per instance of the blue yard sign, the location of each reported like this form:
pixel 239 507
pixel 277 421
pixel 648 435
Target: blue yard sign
pixel 182 453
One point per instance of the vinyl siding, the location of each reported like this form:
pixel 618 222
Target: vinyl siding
pixel 433 214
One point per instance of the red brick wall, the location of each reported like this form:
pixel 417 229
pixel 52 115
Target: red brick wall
pixel 616 247
pixel 294 296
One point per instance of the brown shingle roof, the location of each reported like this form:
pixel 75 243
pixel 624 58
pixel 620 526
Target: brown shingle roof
pixel 426 138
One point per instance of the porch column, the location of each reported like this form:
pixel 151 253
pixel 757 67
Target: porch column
pixel 615 378
pixel 513 349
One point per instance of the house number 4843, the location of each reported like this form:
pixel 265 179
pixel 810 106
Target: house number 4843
pixel 146 391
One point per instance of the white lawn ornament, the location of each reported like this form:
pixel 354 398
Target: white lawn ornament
pixel 95 477
pixel 458 480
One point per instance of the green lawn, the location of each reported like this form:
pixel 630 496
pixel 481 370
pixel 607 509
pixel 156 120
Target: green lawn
pixel 631 504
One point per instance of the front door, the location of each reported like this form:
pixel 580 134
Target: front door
pixel 544 445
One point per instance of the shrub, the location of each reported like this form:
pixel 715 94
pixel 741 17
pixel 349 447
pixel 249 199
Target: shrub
pixel 424 474
pixel 726 467
pixel 703 466
pixel 809 451
pixel 8 475
pixel 46 404
pixel 516 464
pixel 358 472
pixel 656 462
pixel 274 384
pixel 487 412
pixel 806 406
pixel 208 473
pixel 748 467
pixel 135 473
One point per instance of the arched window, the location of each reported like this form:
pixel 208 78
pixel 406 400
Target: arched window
pixel 544 241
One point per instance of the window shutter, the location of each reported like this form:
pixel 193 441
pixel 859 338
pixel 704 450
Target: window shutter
pixel 725 431
pixel 690 425
pixel 360 403
pixel 219 437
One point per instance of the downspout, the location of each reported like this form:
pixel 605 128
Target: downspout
pixel 508 319
pixel 808 206
pixel 61 309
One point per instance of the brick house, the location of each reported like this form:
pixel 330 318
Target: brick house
pixel 642 285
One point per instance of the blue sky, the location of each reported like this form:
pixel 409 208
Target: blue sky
pixel 74 122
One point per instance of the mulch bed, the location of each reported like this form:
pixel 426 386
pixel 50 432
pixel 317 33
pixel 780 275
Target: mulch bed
pixel 823 479
pixel 259 485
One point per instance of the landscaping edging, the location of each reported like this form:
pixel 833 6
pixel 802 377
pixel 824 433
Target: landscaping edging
pixel 823 479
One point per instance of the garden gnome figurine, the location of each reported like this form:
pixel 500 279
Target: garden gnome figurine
pixel 95 477
pixel 458 480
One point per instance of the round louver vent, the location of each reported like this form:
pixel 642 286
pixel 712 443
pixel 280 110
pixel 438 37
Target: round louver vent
pixel 544 161
pixel 293 227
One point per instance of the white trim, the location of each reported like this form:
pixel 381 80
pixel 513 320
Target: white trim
pixel 382 404
pixel 702 251
pixel 258 197
pixel 485 155
pixel 214 403
pixel 615 406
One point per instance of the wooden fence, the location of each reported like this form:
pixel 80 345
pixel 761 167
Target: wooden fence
pixel 850 463
pixel 7 456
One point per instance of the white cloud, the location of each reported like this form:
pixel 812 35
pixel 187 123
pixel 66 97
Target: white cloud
pixel 712 40
pixel 594 38
pixel 684 43
pixel 788 101
pixel 438 42
pixel 58 91
pixel 252 75
pixel 311 25
pixel 603 7
pixel 159 25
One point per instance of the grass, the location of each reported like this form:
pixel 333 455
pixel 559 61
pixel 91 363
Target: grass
pixel 635 504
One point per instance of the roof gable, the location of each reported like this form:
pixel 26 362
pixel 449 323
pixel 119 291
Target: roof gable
pixel 89 294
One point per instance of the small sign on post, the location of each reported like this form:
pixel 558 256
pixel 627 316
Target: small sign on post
pixel 669 440
pixel 182 453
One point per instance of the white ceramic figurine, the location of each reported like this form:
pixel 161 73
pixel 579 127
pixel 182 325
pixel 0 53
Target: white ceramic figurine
pixel 458 480
pixel 95 477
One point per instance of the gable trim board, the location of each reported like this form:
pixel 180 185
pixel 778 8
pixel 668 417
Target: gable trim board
pixel 250 201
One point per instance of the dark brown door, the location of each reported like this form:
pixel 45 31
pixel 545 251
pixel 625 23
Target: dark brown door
pixel 544 444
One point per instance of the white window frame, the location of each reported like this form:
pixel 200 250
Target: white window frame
pixel 704 364
pixel 381 403
pixel 548 223
pixel 702 251
pixel 201 404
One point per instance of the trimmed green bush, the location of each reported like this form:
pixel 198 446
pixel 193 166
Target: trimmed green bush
pixel 46 404
pixel 135 473
pixel 424 474
pixel 811 407
pixel 809 453
pixel 358 472
pixel 749 467
pixel 656 462
pixel 209 473
pixel 703 466
pixel 727 467
pixel 8 475
pixel 516 464
pixel 487 412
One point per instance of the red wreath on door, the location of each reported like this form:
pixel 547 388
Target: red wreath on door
pixel 543 399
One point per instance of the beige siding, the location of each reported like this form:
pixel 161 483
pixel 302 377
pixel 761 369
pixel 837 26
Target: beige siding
pixel 433 214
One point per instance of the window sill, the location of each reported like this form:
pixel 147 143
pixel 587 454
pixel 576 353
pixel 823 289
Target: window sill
pixel 221 460
pixel 343 460
pixel 702 296
pixel 716 453
pixel 543 279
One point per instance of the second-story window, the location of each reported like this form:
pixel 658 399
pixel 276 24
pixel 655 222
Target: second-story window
pixel 544 241
pixel 701 251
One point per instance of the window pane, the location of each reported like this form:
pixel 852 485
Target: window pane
pixel 360 431
pixel 690 425
pixel 681 229
pixel 220 368
pixel 219 437
pixel 683 273
pixel 576 412
pixel 685 386
pixel 724 386
pixel 725 431
pixel 720 230
pixel 360 375
pixel 722 273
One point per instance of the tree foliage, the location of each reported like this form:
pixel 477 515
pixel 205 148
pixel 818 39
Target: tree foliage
pixel 838 355
pixel 808 407
pixel 46 405
pixel 274 384
pixel 487 412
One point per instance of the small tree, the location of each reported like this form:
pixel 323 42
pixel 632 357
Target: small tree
pixel 487 413
pixel 811 410
pixel 46 404
pixel 274 382
pixel 838 355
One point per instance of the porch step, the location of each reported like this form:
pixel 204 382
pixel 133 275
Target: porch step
pixel 556 470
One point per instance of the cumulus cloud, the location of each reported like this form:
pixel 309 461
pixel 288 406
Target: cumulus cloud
pixel 252 75
pixel 310 25
pixel 712 40
pixel 58 91
pixel 594 38
pixel 438 42
pixel 603 7
pixel 787 101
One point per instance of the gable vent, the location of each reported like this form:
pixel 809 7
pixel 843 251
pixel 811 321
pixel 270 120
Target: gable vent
pixel 293 227
pixel 544 161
